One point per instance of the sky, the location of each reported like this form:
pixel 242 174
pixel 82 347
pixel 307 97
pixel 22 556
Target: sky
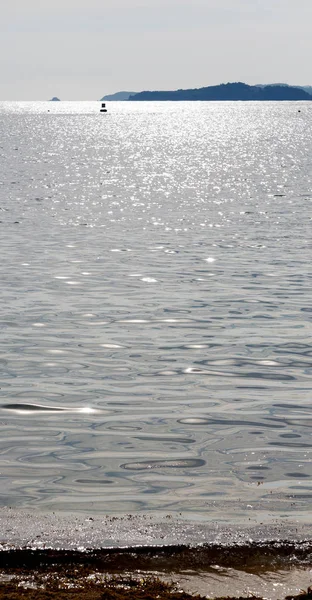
pixel 84 49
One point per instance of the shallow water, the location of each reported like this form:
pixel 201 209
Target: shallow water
pixel 155 308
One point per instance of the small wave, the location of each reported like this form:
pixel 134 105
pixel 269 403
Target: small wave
pixel 184 463
pixel 20 407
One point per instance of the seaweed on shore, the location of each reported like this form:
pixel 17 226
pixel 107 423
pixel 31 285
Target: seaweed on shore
pixel 117 588
pixel 134 573
pixel 114 588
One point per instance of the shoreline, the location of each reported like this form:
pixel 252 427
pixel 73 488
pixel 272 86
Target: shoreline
pixel 21 528
pixel 124 554
pixel 271 570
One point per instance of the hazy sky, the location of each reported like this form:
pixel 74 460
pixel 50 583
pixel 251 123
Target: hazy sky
pixel 83 49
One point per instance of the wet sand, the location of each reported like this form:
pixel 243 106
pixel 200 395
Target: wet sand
pixel 79 556
pixel 115 589
pixel 75 579
pixel 70 531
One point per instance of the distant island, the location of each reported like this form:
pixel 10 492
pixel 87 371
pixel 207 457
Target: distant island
pixel 306 88
pixel 228 91
pixel 118 97
pixel 55 99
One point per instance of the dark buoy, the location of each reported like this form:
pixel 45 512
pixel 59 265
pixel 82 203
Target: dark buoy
pixel 103 109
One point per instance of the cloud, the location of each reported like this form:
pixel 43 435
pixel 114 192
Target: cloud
pixel 135 15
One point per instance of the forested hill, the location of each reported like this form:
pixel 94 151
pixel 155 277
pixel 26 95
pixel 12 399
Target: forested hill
pixel 228 91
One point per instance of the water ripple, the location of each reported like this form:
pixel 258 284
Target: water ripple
pixel 156 327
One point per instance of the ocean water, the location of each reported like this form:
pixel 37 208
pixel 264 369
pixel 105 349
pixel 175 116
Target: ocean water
pixel 155 308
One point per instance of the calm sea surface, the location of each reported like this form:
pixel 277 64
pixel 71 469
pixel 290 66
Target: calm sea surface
pixel 155 308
